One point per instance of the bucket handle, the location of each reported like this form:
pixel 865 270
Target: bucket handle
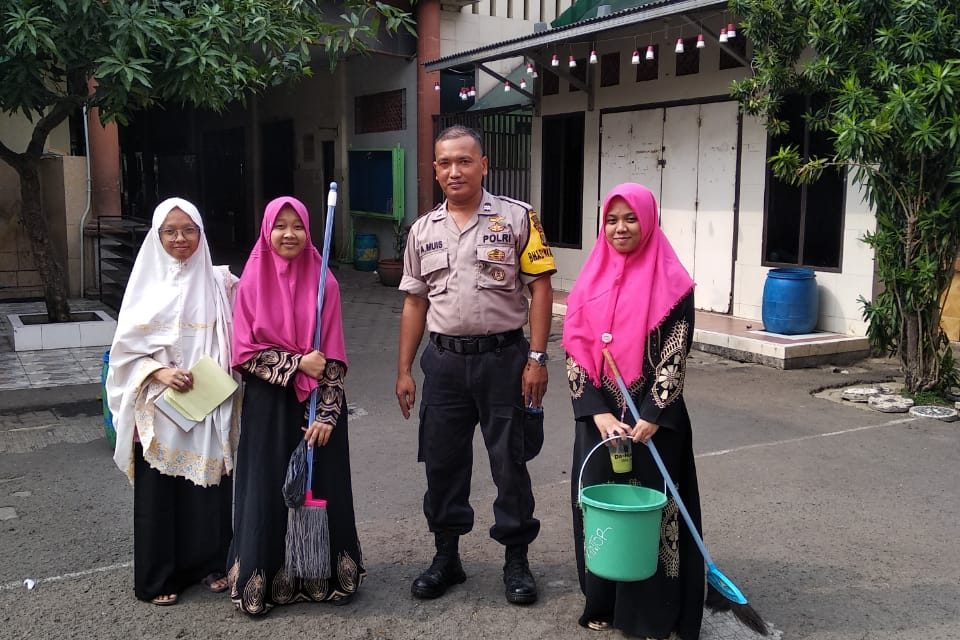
pixel 587 459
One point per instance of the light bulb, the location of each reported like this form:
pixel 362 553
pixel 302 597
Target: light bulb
pixel 635 58
pixel 506 87
pixel 650 52
pixel 731 30
pixel 530 68
pixel 555 61
pixel 472 92
pixel 572 63
pixel 523 83
pixel 701 43
pixel 679 47
pixel 436 86
pixel 593 57
pixel 723 35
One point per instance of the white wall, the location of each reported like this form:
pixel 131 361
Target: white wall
pixel 367 75
pixel 839 310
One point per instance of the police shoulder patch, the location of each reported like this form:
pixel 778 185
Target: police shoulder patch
pixel 537 257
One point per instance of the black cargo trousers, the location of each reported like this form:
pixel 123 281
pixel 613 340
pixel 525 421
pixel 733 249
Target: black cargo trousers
pixel 461 389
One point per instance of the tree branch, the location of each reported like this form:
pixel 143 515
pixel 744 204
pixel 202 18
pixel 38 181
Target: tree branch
pixel 9 156
pixel 48 123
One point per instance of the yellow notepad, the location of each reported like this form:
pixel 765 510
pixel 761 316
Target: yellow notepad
pixel 211 386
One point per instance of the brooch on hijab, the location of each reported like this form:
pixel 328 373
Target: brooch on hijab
pixel 606 338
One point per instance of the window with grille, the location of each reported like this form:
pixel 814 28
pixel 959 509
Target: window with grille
pixel 649 69
pixel 579 72
pixel 385 111
pixel 551 83
pixel 738 45
pixel 688 62
pixel 610 69
pixel 803 224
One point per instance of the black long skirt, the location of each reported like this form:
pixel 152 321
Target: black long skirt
pixel 181 532
pixel 669 604
pixel 270 430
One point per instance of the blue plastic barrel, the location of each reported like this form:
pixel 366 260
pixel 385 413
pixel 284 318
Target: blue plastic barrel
pixel 790 301
pixel 108 430
pixel 366 252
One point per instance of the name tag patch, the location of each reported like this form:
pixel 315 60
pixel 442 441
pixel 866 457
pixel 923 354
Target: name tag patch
pixel 427 247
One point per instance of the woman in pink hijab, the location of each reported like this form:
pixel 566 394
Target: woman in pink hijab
pixel 635 297
pixel 274 322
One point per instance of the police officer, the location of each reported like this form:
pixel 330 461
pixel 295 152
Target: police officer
pixel 465 265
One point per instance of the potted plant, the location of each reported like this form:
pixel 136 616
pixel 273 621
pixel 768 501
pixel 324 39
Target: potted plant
pixel 390 270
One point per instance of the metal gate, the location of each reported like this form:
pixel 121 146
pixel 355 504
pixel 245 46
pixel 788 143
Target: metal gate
pixel 506 141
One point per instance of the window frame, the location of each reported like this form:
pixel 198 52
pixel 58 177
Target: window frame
pixel 801 236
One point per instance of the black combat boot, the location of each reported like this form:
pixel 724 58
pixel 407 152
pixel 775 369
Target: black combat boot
pixel 443 573
pixel 521 588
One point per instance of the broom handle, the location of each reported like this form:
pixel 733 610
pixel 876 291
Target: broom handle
pixel 324 261
pixel 656 458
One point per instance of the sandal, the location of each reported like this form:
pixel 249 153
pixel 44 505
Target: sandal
pixel 216 583
pixel 166 600
pixel 598 625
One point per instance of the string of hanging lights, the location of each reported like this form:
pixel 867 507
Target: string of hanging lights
pixel 727 33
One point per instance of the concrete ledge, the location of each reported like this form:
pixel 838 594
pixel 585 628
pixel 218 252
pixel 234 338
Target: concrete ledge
pixel 831 349
pixel 62 335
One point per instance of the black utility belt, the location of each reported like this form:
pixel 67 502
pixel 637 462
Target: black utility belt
pixel 468 345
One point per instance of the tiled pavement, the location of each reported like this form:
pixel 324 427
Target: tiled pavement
pixel 371 312
pixel 52 367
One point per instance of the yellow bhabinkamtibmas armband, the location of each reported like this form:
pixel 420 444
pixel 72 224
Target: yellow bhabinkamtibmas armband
pixel 537 258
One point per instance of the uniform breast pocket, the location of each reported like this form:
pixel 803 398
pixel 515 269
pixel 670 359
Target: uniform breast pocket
pixel 435 269
pixel 497 267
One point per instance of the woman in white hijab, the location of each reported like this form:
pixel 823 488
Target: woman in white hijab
pixel 176 308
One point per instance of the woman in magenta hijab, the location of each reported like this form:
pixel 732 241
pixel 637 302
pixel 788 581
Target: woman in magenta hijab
pixel 634 288
pixel 274 321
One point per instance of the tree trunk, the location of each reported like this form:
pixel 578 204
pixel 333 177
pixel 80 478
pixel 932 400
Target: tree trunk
pixel 45 256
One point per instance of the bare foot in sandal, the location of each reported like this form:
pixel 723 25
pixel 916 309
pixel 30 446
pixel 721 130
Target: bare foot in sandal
pixel 165 600
pixel 216 583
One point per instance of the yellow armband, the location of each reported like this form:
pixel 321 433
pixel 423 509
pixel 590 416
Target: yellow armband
pixel 537 258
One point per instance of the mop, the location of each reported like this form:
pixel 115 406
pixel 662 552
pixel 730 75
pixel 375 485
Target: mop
pixel 307 553
pixel 722 593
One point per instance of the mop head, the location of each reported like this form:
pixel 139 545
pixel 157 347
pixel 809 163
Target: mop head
pixel 308 543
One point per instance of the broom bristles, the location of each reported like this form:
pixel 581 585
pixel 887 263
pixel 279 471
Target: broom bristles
pixel 307 553
pixel 746 614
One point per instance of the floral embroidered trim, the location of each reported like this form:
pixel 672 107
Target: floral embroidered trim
pixel 201 470
pixel 576 378
pixel 669 373
pixel 614 390
pixel 274 366
pixel 330 398
pixel 670 540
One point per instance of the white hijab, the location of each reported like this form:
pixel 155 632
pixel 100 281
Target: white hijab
pixel 172 313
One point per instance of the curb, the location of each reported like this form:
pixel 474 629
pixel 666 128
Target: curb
pixel 47 398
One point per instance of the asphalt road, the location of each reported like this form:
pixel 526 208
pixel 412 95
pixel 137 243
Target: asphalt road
pixel 837 522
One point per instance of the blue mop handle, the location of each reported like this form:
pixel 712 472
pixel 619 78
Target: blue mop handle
pixel 656 458
pixel 324 261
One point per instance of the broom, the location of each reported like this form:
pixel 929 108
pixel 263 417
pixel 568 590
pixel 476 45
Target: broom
pixel 307 552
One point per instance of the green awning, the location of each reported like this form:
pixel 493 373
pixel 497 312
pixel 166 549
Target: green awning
pixel 584 9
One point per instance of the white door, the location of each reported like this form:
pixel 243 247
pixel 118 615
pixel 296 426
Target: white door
pixel 716 196
pixel 687 156
pixel 678 198
pixel 631 144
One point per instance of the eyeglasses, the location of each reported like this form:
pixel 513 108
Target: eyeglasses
pixel 188 233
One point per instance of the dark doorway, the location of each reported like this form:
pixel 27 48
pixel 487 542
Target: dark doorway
pixel 277 158
pixel 561 193
pixel 224 188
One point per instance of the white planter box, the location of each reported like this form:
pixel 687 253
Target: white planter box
pixel 62 335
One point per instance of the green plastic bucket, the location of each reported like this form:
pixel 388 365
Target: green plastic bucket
pixel 621 529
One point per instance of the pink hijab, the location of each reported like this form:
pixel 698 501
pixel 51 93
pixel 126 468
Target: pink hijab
pixel 625 295
pixel 276 306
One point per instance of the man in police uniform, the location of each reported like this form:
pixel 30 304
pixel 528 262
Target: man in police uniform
pixel 464 269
